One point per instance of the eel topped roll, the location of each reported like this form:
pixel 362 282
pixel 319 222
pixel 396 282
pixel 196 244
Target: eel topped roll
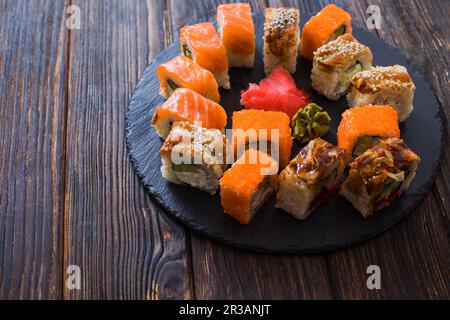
pixel 361 128
pixel 379 175
pixel 182 72
pixel 237 33
pixel 336 62
pixel 187 105
pixel 245 187
pixel 263 129
pixel 201 43
pixel 188 158
pixel 310 178
pixel 330 23
pixel 281 38
pixel 383 85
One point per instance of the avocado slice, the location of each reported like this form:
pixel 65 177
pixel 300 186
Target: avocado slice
pixel 364 143
pixel 357 67
pixel 182 167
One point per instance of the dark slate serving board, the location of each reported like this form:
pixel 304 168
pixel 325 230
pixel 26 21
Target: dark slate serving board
pixel 334 225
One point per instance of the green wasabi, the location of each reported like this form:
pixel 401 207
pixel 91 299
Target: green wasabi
pixel 310 122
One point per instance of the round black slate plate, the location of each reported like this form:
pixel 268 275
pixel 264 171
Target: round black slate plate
pixel 334 225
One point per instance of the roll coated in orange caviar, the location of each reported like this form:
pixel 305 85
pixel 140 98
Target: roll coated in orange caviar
pixel 361 128
pixel 248 184
pixel 327 25
pixel 259 127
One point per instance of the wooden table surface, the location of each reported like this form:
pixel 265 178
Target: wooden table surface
pixel 69 195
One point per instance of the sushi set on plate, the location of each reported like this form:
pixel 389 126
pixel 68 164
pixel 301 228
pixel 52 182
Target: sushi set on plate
pixel 281 133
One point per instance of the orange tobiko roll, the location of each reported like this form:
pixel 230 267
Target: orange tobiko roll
pixel 361 128
pixel 248 184
pixel 330 23
pixel 248 126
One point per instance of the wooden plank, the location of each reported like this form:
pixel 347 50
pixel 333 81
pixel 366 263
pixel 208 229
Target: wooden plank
pixel 125 248
pixel 221 272
pixel 33 51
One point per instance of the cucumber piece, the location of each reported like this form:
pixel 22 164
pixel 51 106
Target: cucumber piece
pixel 186 51
pixel 340 31
pixel 172 85
pixel 390 186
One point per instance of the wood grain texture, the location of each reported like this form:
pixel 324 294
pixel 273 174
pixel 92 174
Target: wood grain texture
pixel 32 116
pixel 70 196
pixel 125 247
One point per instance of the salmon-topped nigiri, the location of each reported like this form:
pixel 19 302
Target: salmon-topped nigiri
pixel 237 33
pixel 187 105
pixel 201 43
pixel 181 72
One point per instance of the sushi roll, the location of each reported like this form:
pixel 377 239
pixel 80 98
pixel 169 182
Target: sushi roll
pixel 361 128
pixel 187 105
pixel 281 38
pixel 181 72
pixel 201 43
pixel 187 158
pixel 379 175
pixel 248 184
pixel 330 23
pixel 310 178
pixel 383 85
pixel 237 33
pixel 336 62
pixel 263 129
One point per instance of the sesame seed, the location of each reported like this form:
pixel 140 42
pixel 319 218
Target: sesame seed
pixel 383 78
pixel 283 18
